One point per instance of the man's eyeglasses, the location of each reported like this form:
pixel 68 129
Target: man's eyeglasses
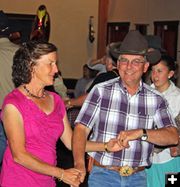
pixel 134 62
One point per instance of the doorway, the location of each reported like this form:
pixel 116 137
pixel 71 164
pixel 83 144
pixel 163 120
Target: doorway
pixel 168 31
pixel 116 31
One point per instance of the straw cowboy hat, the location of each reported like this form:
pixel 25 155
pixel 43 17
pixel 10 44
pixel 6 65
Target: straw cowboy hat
pixel 111 50
pixel 110 53
pixel 135 43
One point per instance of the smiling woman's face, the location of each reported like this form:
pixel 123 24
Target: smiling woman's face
pixel 46 68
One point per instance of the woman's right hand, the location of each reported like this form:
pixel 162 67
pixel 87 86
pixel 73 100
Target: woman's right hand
pixel 113 145
pixel 72 177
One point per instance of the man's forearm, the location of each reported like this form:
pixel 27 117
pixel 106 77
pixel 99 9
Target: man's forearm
pixel 163 136
pixel 79 144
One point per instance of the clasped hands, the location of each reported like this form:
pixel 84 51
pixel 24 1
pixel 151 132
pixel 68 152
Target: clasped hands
pixel 122 140
pixel 72 177
pixel 113 145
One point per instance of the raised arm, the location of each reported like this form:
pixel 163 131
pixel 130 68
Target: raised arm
pixel 75 102
pixel 163 136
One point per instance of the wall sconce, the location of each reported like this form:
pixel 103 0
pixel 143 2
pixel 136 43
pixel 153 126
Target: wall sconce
pixel 165 27
pixel 91 29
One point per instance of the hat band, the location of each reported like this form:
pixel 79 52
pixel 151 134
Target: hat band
pixel 144 52
pixel 3 30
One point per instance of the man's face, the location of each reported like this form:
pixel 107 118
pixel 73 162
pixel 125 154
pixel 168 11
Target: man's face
pixel 131 69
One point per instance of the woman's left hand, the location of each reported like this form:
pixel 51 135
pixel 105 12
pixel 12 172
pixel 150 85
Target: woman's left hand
pixel 71 176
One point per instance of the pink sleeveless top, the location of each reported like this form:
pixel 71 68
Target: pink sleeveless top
pixel 41 134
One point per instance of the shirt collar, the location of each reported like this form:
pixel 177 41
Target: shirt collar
pixel 124 90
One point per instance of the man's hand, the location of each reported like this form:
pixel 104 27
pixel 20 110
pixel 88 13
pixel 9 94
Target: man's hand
pixel 125 136
pixel 113 145
pixel 82 171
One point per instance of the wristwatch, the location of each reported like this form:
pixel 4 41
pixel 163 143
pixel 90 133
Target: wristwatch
pixel 144 137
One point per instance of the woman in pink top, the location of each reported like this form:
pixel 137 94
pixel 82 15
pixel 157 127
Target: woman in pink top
pixel 34 119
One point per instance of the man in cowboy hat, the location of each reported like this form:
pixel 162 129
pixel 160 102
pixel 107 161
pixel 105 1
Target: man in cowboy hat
pixel 127 109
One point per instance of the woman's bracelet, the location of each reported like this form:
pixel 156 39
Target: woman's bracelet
pixel 62 175
pixel 106 147
pixel 69 102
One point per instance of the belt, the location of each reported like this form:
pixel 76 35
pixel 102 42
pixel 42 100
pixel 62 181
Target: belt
pixel 122 170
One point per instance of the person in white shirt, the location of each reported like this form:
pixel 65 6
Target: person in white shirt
pixel 7 51
pixel 162 75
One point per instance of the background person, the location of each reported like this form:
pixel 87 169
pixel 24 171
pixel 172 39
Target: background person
pixel 59 86
pixel 175 151
pixel 2 143
pixel 84 82
pixel 7 51
pixel 110 63
pixel 97 64
pixel 162 75
pixel 127 109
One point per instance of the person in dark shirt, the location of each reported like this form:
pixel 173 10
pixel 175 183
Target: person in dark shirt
pixel 110 61
pixel 110 74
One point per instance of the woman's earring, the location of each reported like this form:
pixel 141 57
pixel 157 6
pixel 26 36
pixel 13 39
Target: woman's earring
pixel 33 73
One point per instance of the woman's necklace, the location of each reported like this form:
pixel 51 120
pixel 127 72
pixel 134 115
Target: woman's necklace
pixel 35 96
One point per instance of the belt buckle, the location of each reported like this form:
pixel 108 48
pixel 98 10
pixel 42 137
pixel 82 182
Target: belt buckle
pixel 126 171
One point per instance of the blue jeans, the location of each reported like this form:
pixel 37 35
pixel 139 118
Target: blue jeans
pixel 2 142
pixel 102 177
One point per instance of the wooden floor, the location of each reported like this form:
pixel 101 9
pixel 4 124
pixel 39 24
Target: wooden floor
pixel 65 160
